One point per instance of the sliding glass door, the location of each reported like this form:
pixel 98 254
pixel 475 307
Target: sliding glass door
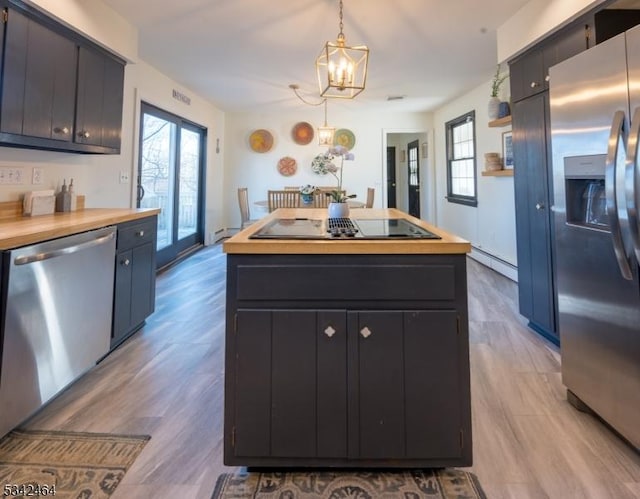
pixel 171 177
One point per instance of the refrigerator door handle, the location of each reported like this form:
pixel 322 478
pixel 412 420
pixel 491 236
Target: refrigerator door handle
pixel 632 182
pixel 616 136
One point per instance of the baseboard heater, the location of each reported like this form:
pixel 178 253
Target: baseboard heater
pixel 501 266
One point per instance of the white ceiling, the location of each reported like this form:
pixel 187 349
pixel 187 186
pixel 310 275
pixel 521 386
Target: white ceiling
pixel 244 54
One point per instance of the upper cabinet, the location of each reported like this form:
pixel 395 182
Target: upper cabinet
pixel 39 79
pixel 99 100
pixel 530 72
pixel 58 90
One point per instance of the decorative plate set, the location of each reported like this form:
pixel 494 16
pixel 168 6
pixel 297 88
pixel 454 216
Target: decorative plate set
pixel 302 133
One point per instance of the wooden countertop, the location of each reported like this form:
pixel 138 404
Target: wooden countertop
pixel 22 231
pixel 240 243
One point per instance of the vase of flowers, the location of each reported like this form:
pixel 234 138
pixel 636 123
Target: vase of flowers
pixel 306 193
pixel 493 108
pixel 323 164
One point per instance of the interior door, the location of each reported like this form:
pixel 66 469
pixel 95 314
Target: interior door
pixel 170 177
pixel 413 164
pixel 391 177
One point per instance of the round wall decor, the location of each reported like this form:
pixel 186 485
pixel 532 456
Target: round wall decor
pixel 261 140
pixel 345 138
pixel 287 166
pixel 302 133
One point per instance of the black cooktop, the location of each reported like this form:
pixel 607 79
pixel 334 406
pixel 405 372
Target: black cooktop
pixel 342 229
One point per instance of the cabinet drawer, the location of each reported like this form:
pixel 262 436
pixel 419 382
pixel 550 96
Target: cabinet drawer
pixel 346 282
pixel 131 234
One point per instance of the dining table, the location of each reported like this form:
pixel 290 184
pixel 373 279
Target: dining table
pixel 263 204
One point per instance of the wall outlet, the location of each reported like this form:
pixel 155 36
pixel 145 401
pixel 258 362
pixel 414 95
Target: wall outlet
pixel 124 177
pixel 37 176
pixel 14 176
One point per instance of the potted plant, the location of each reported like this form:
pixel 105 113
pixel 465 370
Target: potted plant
pixel 494 101
pixel 307 192
pixel 323 164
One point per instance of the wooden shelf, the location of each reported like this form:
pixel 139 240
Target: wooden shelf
pixel 498 173
pixel 500 122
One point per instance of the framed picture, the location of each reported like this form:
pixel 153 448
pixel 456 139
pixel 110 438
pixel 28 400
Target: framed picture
pixel 507 150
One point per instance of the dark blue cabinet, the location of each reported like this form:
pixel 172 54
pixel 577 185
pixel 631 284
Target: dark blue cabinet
pixel 135 277
pixel 39 81
pixel 375 374
pixel 99 99
pixel 59 91
pixel 532 171
pixel 533 220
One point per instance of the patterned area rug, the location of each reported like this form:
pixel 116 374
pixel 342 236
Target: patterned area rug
pixel 65 465
pixel 414 484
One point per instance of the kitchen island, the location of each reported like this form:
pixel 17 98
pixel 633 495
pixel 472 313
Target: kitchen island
pixel 347 353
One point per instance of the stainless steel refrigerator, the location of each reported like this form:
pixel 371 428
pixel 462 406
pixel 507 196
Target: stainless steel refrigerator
pixel 595 122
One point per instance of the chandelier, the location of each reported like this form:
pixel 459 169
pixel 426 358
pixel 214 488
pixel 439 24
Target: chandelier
pixel 342 70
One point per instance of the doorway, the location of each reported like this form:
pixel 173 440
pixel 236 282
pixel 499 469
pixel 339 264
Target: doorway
pixel 391 177
pixel 413 165
pixel 171 177
pixel 397 166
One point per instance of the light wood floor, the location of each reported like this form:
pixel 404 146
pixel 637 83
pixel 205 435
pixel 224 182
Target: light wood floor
pixel 167 381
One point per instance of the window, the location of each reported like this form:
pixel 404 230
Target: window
pixel 461 160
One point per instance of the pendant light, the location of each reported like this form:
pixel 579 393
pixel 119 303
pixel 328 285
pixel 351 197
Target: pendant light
pixel 326 133
pixel 341 69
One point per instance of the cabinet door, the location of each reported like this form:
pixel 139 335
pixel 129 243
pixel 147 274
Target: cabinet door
pixel 570 41
pixel 408 385
pixel 533 234
pixel 122 296
pixel 380 423
pixel 142 283
pixel 527 75
pixel 291 384
pixel 433 384
pixel 99 99
pixel 40 77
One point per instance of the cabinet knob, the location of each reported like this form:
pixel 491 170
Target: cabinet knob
pixel 329 331
pixel 140 233
pixel 547 78
pixel 62 130
pixel 125 262
pixel 365 332
pixel 84 134
pixel 534 84
pixel 539 206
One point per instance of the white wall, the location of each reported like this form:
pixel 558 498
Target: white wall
pixel 258 171
pixel 96 21
pixel 535 20
pixel 491 225
pixel 97 176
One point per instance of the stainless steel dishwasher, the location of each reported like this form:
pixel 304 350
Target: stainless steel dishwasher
pixel 57 318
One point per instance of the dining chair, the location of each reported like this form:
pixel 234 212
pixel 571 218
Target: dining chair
pixel 370 193
pixel 283 199
pixel 320 198
pixel 243 201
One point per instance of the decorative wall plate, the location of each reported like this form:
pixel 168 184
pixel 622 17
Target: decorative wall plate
pixel 345 138
pixel 287 166
pixel 302 133
pixel 261 140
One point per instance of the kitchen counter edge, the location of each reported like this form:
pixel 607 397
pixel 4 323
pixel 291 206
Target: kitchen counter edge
pixel 23 231
pixel 241 243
